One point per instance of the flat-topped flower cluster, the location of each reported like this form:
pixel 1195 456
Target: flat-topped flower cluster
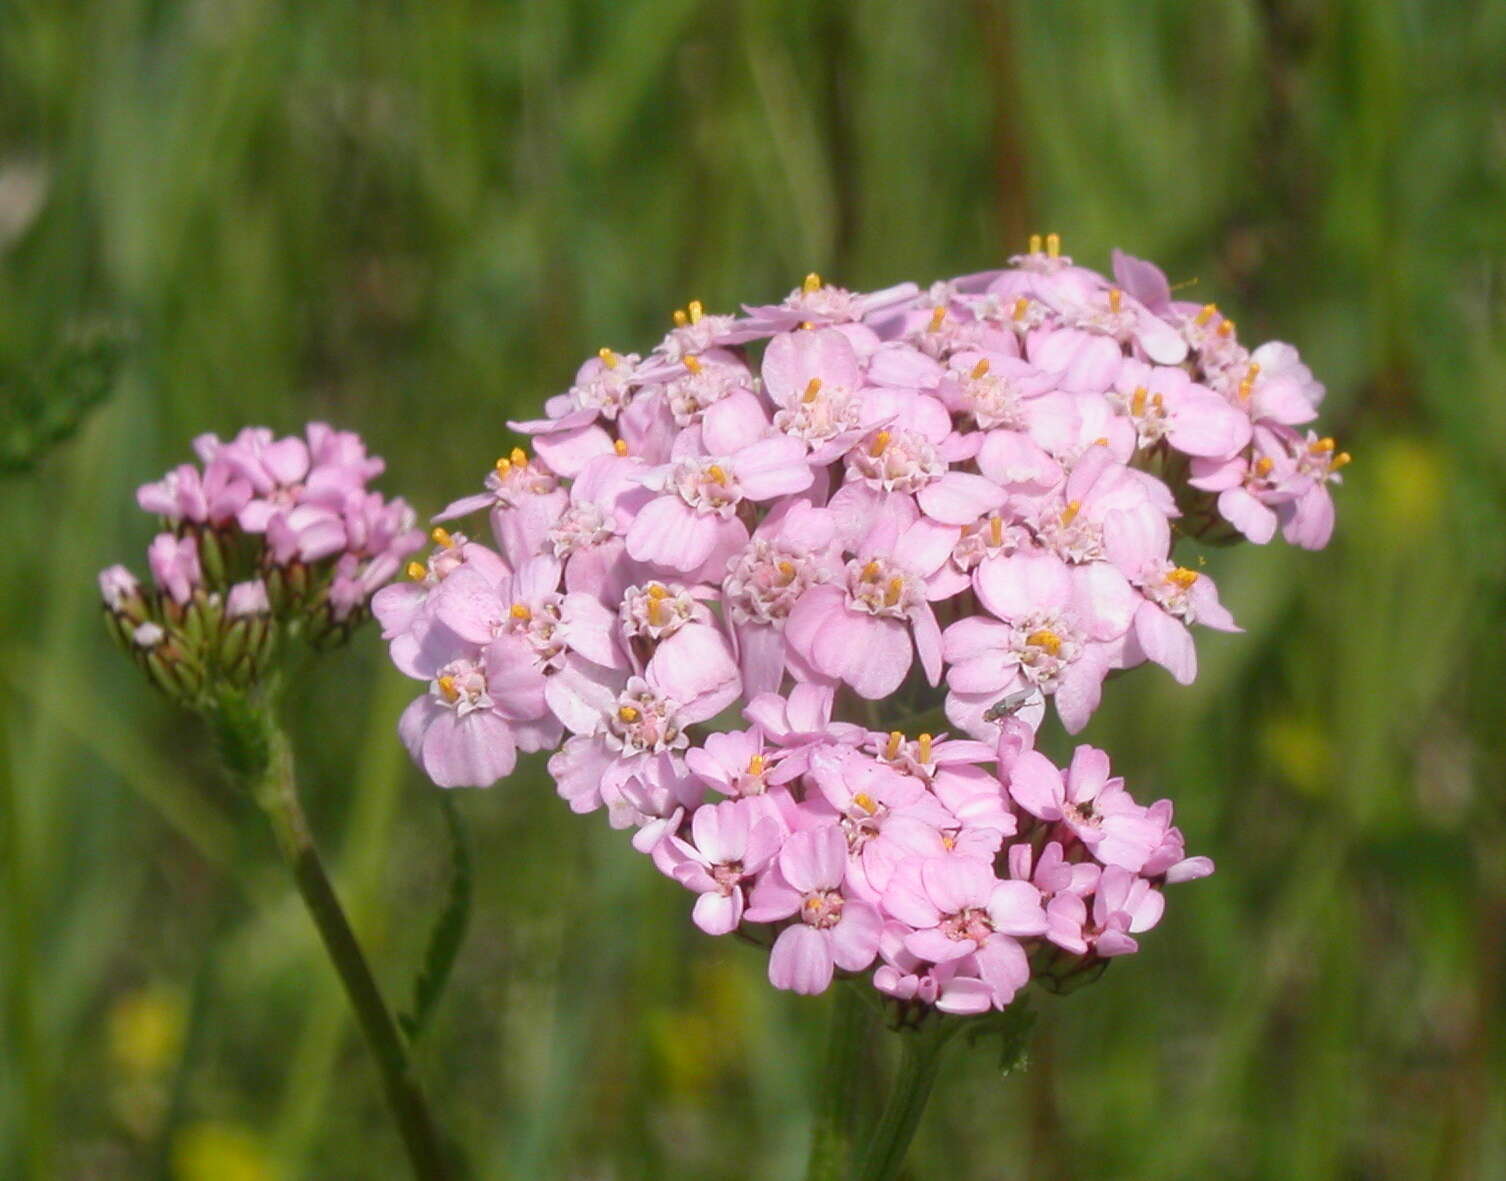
pixel 720 551
pixel 267 530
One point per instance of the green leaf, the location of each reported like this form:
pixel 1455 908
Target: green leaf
pixel 43 403
pixel 449 931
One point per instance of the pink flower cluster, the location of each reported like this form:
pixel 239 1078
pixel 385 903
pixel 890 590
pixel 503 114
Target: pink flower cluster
pixel 266 528
pixel 964 496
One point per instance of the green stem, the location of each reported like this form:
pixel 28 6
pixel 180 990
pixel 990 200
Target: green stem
pixel 921 1056
pixel 277 793
pixel 842 1082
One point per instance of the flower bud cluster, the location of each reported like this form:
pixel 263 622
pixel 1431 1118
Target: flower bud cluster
pixel 727 560
pixel 264 535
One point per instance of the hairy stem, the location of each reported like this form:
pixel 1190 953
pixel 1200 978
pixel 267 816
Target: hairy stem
pixel 842 1085
pixel 276 792
pixel 921 1056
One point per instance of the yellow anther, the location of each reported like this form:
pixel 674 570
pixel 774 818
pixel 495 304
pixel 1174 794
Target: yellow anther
pixel 1182 577
pixel 755 765
pixel 627 713
pixel 924 745
pixel 1158 403
pixel 1226 328
pixel 1207 312
pixel 442 537
pixel 812 388
pixel 447 689
pixel 1021 306
pixel 693 363
pixel 880 441
pixel 520 612
pixel 1054 245
pixel 504 465
pixel 619 446
pixel 807 325
pixel 786 573
pixel 1246 389
pixel 655 611
pixel 1116 300
pixel 1253 371
pixel 518 456
pixel 1069 514
pixel 995 531
pixel 716 474
pixel 1101 441
pixel 1045 639
pixel 938 318
pixel 1137 401
pixel 657 590
pixel 680 318
pixel 812 283
pixel 870 571
pixel 608 358
pixel 1263 465
pixel 1035 243
pixel 1339 460
pixel 894 592
pixel 697 310
pixel 866 802
pixel 980 369
pixel 1319 446
pixel 896 739
pixel 417 571
pixel 948 841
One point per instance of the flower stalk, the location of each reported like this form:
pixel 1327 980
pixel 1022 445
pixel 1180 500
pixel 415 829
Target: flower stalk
pixel 838 1115
pixel 257 750
pixel 921 1052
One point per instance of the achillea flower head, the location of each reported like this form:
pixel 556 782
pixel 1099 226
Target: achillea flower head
pixel 728 557
pixel 266 535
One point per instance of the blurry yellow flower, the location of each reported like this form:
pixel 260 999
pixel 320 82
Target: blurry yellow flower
pixel 145 1031
pixel 210 1151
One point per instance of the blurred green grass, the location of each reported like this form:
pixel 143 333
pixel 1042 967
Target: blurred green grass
pixel 414 219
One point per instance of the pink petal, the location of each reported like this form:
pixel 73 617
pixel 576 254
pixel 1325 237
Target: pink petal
pixel 801 960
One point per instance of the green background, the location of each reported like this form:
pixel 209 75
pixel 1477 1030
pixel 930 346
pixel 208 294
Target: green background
pixel 414 220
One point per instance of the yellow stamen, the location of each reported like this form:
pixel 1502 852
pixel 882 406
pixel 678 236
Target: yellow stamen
pixel 1137 401
pixel 1246 389
pixel 447 689
pixel 866 802
pixel 995 531
pixel 755 765
pixel 1182 577
pixel 980 369
pixel 1158 403
pixel 697 310
pixel 693 363
pixel 1046 639
pixel 417 571
pixel 786 573
pixel 627 714
pixel 520 612
pixel 1319 446
pixel 812 388
pixel 924 743
pixel 1035 243
pixel 807 325
pixel 1053 245
pixel 619 446
pixel 1226 328
pixel 504 465
pixel 1253 371
pixel 716 474
pixel 1339 460
pixel 519 457
pixel 1069 514
pixel 1264 465
pixel 938 317
pixel 891 751
pixel 1209 310
pixel 655 611
pixel 1021 306
pixel 1116 299
pixel 608 358
pixel 657 590
pixel 1101 441
pixel 896 589
pixel 870 571
pixel 812 283
pixel 880 441
pixel 442 537
pixel 680 318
